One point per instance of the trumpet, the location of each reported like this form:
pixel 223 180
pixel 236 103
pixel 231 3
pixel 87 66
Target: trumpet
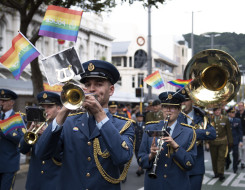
pixel 32 136
pixel 160 142
pixel 72 96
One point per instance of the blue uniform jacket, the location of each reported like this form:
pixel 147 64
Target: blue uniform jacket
pixel 202 134
pixel 171 171
pixel 9 151
pixel 42 174
pixel 236 127
pixel 79 170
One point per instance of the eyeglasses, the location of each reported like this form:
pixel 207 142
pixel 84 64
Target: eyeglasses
pixel 171 108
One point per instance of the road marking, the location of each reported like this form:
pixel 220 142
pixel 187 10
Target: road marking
pixel 142 188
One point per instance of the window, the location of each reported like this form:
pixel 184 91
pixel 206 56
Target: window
pixel 119 82
pixel 125 61
pixel 133 81
pixel 140 58
pixel 183 52
pixel 116 61
pixel 164 67
pixel 130 62
pixel 2 28
pixel 140 79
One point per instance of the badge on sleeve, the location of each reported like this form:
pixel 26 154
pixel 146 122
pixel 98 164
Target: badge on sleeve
pixel 124 145
pixel 188 163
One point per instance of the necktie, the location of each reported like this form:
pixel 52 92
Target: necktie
pixel 91 124
pixel 168 129
pixel 3 116
pixel 185 119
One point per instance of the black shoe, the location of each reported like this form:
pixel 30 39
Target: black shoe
pixel 138 172
pixel 142 171
pixel 242 166
pixel 235 171
pixel 221 177
pixel 215 176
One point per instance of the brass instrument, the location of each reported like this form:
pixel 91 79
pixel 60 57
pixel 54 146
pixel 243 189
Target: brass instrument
pixel 216 78
pixel 32 136
pixel 72 96
pixel 160 142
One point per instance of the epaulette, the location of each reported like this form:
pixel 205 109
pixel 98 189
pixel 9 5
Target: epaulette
pixel 21 113
pixel 151 122
pixel 124 118
pixel 78 113
pixel 188 125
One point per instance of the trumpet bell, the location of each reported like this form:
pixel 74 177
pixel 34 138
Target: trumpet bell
pixel 72 96
pixel 30 138
pixel 216 78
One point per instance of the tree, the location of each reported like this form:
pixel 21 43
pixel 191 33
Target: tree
pixel 28 8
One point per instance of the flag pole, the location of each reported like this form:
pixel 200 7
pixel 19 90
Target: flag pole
pixel 31 44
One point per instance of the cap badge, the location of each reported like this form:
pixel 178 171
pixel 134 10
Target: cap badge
pixel 90 66
pixel 2 92
pixel 113 103
pixel 45 95
pixel 183 91
pixel 170 96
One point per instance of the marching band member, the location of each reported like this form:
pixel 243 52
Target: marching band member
pixel 43 174
pixel 94 144
pixel 178 151
pixel 195 116
pixel 9 152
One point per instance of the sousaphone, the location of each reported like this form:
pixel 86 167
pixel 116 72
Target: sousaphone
pixel 216 78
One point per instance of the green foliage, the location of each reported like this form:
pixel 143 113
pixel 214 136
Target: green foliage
pixel 232 43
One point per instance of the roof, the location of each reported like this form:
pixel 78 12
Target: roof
pixel 119 48
pixel 166 58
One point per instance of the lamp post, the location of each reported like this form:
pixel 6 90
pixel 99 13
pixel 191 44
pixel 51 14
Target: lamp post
pixel 149 57
pixel 211 36
pixel 192 32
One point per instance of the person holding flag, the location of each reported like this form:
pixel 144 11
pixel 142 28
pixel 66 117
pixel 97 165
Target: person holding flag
pixel 11 132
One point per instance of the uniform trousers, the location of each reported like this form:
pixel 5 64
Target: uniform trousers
pixel 7 180
pixel 218 154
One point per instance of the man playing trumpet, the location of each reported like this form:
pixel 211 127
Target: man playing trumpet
pixel 178 151
pixel 42 174
pixel 94 144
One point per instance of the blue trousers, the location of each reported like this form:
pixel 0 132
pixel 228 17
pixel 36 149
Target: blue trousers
pixel 7 180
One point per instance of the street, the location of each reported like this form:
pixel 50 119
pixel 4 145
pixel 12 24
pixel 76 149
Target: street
pixel 133 182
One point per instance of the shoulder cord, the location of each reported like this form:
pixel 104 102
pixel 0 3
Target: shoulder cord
pixel 106 154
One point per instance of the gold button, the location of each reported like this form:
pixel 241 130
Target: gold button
pixel 89 158
pixel 166 154
pixel 89 143
pixel 43 162
pixel 166 165
pixel 88 174
pixel 165 176
pixel 42 172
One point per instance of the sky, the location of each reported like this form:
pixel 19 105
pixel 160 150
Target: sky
pixel 174 18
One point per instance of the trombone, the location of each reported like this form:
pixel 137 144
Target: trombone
pixel 32 136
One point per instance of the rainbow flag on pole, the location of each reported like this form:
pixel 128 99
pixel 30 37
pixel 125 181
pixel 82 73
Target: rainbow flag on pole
pixel 155 80
pixel 61 23
pixel 11 123
pixel 19 55
pixel 179 82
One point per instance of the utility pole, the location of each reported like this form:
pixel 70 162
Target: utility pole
pixel 149 56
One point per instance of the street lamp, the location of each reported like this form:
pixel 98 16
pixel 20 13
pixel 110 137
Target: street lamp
pixel 211 35
pixel 192 32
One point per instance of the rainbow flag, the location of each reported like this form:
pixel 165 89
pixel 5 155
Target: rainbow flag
pixel 179 82
pixel 11 123
pixel 61 23
pixel 19 55
pixel 155 80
